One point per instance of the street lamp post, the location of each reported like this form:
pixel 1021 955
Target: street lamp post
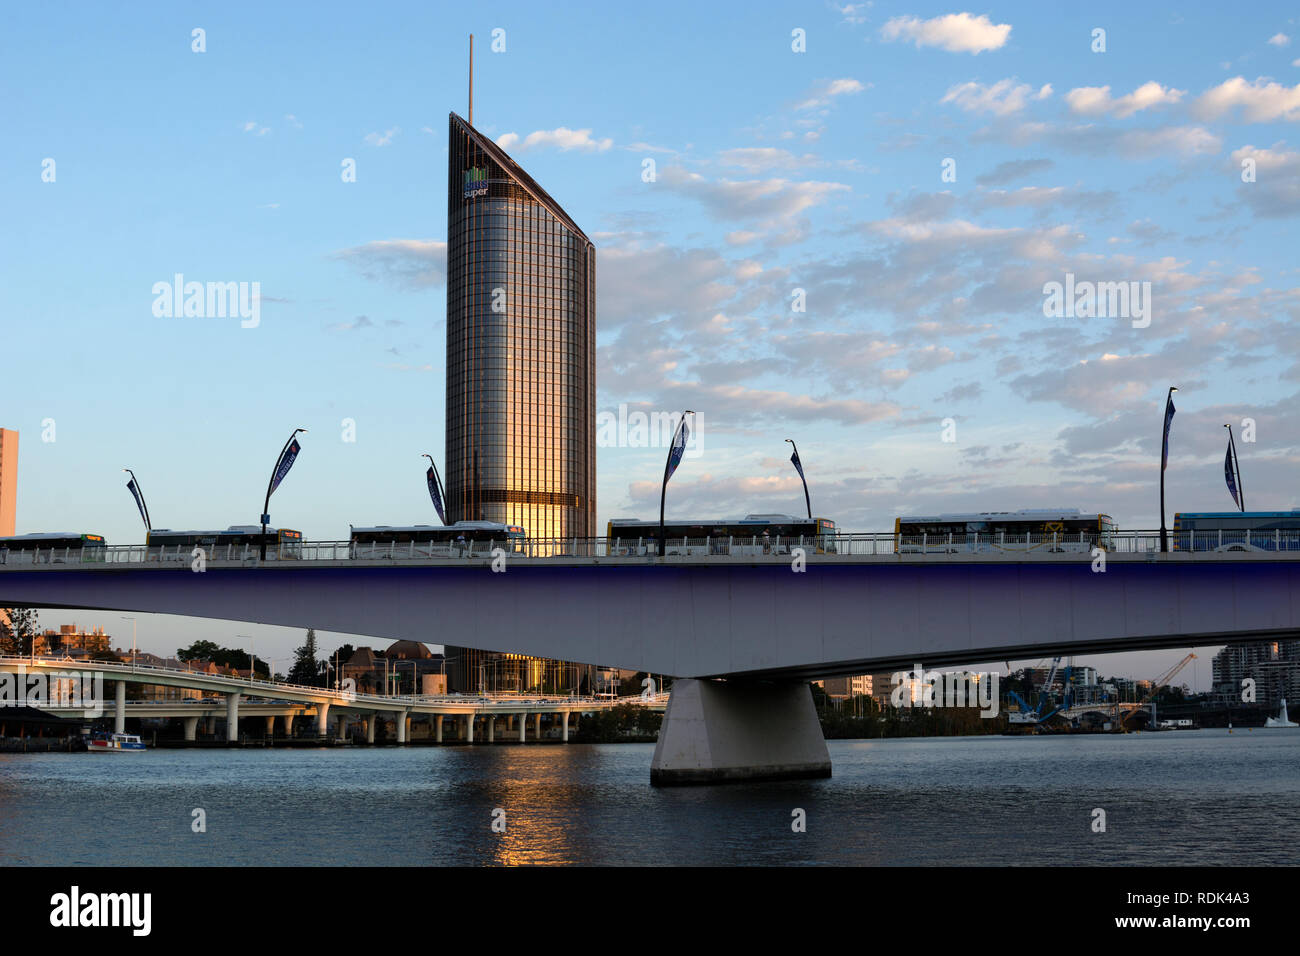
pixel 276 478
pixel 1164 462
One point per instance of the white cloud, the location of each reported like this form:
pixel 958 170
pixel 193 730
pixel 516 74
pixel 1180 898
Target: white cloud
pixel 559 138
pixel 1262 100
pixel 1279 39
pixel 1001 99
pixel 384 138
pixel 757 199
pixel 956 32
pixel 822 95
pixel 1096 100
pixel 758 158
pixel 252 127
pixel 417 263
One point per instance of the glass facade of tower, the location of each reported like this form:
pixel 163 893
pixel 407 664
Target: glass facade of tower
pixel 521 348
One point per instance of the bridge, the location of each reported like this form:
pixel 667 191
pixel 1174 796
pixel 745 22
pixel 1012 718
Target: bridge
pixel 234 697
pixel 743 630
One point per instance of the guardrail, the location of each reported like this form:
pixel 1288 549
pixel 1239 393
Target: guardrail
pixel 743 548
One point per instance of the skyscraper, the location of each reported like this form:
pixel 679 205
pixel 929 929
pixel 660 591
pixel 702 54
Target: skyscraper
pixel 521 348
pixel 8 481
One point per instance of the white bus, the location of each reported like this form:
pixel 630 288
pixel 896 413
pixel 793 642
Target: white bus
pixel 1027 530
pixel 436 541
pixel 752 534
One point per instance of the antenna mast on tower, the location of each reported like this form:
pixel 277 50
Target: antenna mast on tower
pixel 471 79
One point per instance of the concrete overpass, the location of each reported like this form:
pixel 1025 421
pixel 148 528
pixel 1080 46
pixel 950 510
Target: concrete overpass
pixel 747 630
pixel 234 698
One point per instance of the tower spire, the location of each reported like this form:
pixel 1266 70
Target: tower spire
pixel 471 79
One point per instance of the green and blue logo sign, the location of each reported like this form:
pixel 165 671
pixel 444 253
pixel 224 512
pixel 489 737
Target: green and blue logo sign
pixel 476 182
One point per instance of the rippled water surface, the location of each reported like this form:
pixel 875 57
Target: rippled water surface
pixel 1195 797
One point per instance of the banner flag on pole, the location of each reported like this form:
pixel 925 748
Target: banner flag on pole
pixel 798 466
pixel 139 501
pixel 282 469
pixel 1229 476
pixel 432 478
pixel 1169 417
pixel 679 448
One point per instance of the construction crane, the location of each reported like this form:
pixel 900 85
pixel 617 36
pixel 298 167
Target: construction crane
pixel 1159 682
pixel 1033 716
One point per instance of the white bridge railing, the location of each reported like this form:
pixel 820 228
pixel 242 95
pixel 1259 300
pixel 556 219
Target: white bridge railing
pixel 747 547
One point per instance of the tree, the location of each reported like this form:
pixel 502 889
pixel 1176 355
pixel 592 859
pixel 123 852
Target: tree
pixel 200 651
pixel 17 636
pixel 306 668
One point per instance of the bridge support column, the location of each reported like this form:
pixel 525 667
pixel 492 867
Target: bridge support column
pixel 437 727
pixel 191 728
pixel 401 721
pixel 523 728
pixel 322 719
pixel 270 727
pixel 537 726
pixel 565 733
pixel 492 728
pixel 724 731
pixel 342 721
pixel 119 708
pixel 288 725
pixel 370 728
pixel 232 718
pixel 469 728
pixel 210 725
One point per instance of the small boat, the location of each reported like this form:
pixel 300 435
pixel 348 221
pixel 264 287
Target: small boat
pixel 116 744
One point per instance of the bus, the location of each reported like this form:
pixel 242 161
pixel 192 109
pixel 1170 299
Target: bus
pixel 1237 530
pixel 435 541
pixel 1031 529
pixel 285 543
pixel 54 548
pixel 750 535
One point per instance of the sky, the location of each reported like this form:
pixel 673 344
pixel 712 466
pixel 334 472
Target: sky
pixel 821 221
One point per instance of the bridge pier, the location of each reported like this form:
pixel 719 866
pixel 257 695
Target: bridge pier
pixel 288 725
pixel 119 708
pixel 523 727
pixel 437 727
pixel 270 727
pixel 342 732
pixel 491 728
pixel 565 734
pixel 469 728
pixel 537 726
pixel 322 719
pixel 232 718
pixel 191 728
pixel 729 731
pixel 401 722
pixel 371 720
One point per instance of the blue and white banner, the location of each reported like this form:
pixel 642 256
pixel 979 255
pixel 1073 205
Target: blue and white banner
pixel 1229 475
pixel 282 469
pixel 798 466
pixel 679 448
pixel 1169 417
pixel 139 501
pixel 432 477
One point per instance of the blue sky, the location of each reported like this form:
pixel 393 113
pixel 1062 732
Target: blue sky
pixel 775 171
